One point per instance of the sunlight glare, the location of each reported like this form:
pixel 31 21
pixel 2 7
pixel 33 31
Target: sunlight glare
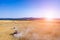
pixel 49 15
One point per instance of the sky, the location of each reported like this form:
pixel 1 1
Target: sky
pixel 29 8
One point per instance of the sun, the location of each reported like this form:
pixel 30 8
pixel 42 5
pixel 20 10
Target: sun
pixel 49 15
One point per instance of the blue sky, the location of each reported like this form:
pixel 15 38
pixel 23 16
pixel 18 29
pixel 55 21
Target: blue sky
pixel 29 8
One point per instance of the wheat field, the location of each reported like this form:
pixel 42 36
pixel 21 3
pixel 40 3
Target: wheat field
pixel 39 29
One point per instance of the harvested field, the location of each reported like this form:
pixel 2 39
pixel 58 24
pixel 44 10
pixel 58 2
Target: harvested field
pixel 38 29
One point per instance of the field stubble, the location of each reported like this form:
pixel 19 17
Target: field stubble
pixel 39 30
